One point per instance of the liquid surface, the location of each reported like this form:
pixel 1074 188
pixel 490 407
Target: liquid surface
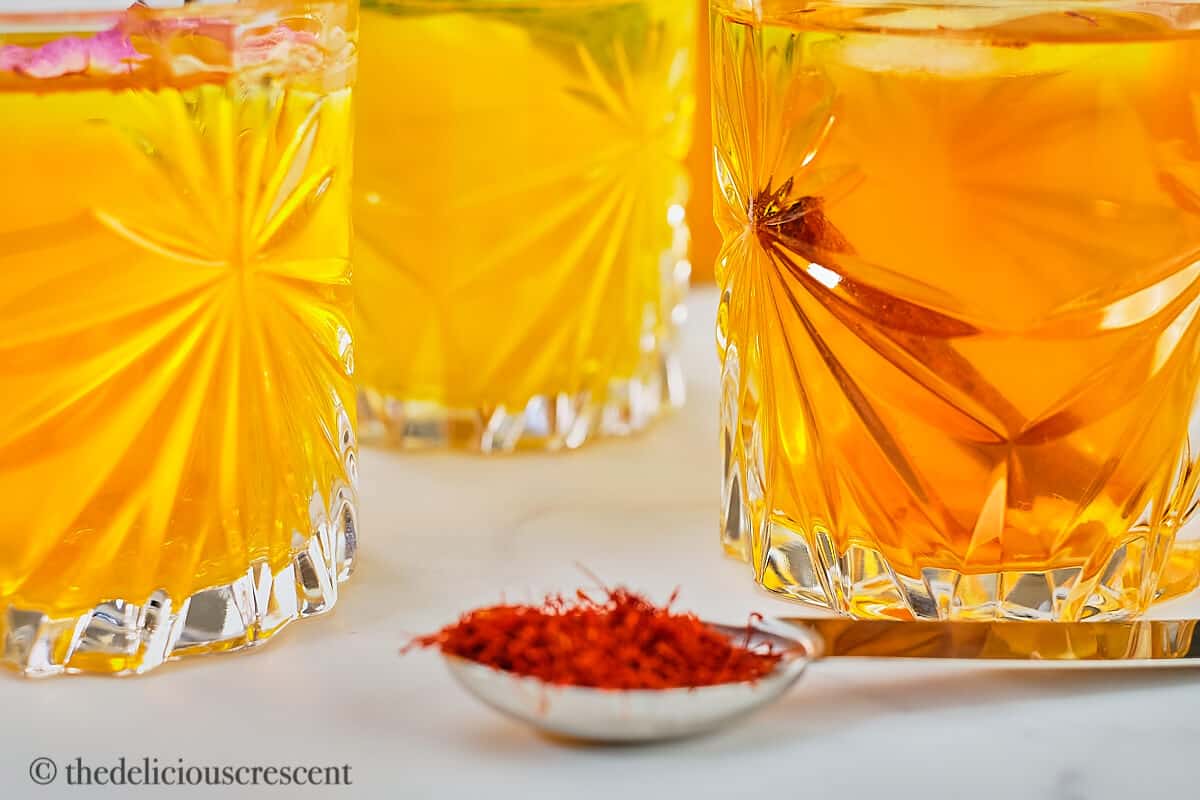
pixel 174 317
pixel 961 286
pixel 519 197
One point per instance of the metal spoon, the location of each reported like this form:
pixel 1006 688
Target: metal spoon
pixel 605 715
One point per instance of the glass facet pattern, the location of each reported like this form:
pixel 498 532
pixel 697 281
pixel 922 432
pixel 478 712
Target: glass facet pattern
pixel 177 441
pixel 521 247
pixel 958 322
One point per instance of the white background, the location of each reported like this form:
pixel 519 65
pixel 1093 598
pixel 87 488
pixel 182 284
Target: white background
pixel 444 533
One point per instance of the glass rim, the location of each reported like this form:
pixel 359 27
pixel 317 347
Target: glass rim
pixel 1055 5
pixel 489 5
pixel 88 18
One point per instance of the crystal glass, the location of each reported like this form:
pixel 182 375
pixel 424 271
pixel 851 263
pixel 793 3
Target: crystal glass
pixel 521 245
pixel 960 286
pixel 177 446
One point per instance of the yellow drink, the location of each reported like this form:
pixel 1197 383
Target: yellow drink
pixel 520 240
pixel 177 437
pixel 962 275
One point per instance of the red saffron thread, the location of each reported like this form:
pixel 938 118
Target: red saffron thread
pixel 622 641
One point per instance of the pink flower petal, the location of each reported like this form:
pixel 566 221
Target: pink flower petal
pixel 12 57
pixel 61 57
pixel 111 51
pixel 107 52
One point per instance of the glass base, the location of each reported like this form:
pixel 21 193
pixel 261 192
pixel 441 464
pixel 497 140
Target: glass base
pixel 1157 558
pixel 860 583
pixel 124 638
pixel 546 422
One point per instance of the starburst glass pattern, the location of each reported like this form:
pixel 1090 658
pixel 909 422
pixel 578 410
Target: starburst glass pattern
pixel 958 324
pixel 521 249
pixel 177 444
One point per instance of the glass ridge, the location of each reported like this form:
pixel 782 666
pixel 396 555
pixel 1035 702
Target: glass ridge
pixel 175 341
pixel 959 309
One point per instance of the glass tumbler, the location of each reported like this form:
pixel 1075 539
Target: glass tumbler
pixel 960 286
pixel 520 234
pixel 177 445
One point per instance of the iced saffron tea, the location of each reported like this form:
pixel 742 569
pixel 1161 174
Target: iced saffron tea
pixel 961 279
pixel 176 438
pixel 521 246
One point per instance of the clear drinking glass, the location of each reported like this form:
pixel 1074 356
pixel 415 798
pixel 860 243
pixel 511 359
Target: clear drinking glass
pixel 521 248
pixel 960 284
pixel 177 446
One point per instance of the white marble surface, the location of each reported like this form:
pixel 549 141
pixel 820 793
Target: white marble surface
pixel 442 533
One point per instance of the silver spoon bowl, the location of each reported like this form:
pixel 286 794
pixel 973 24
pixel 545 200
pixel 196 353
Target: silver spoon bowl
pixel 629 716
pixel 640 716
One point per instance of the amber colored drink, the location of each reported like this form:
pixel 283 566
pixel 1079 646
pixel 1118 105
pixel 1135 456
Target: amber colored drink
pixel 176 438
pixel 961 279
pixel 521 245
pixel 706 239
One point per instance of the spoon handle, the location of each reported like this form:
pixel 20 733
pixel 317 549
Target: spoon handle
pixel 1140 640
